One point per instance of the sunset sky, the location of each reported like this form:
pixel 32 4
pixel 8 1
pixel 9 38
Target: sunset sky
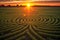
pixel 29 0
pixel 14 2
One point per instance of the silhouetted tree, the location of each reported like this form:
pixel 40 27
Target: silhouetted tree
pixel 9 5
pixel 2 5
pixel 17 5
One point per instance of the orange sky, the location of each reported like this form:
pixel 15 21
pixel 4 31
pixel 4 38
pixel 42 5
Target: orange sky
pixel 35 3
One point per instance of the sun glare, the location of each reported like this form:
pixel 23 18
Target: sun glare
pixel 27 9
pixel 28 4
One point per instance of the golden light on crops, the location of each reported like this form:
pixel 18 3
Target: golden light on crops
pixel 28 9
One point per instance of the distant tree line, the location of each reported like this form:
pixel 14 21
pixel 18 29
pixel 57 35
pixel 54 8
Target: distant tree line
pixel 10 5
pixel 25 5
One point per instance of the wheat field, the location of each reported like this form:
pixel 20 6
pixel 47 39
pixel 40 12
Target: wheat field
pixel 43 23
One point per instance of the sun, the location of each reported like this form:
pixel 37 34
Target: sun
pixel 28 4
